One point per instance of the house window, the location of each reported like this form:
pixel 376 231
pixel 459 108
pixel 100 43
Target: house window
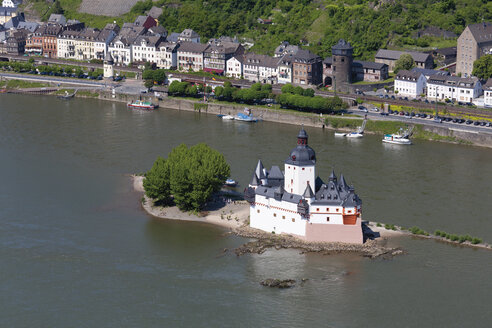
pixel 327 219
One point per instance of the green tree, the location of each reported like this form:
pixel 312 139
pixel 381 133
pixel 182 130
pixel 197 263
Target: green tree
pixel 288 88
pixel 482 67
pixel 405 62
pixel 148 84
pixel 308 92
pixel 156 182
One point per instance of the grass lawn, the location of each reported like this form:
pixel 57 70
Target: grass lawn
pixel 21 84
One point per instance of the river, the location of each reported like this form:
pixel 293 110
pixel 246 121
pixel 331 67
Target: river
pixel 78 251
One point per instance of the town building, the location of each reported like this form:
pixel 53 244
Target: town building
pixel 444 56
pixel 260 68
pixel 234 66
pixel 16 43
pixel 190 56
pixel 155 13
pixel 145 21
pixel 307 68
pixel 167 56
pixel 429 72
pixel 7 13
pixel 145 48
pixel 389 57
pixel 285 48
pixel 454 88
pixel 299 203
pixel 188 35
pixel 102 41
pixel 216 55
pixel 285 69
pixel 121 46
pixel 49 34
pixel 487 93
pixel 410 83
pixel 157 30
pixel 474 42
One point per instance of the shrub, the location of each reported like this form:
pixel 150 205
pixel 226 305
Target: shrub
pixel 476 240
pixel 454 237
pixel 378 225
pixel 437 233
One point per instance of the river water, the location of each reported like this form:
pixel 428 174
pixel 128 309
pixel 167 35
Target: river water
pixel 76 250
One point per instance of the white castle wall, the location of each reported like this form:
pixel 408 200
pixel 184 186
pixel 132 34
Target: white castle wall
pixel 270 215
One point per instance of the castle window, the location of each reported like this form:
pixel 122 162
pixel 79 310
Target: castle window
pixel 327 209
pixel 293 220
pixel 257 211
pixel 327 219
pixel 303 169
pixel 338 209
pixel 283 217
pixel 317 210
pixel 274 215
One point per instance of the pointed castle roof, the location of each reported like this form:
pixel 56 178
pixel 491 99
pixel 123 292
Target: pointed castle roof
pixel 308 193
pixel 260 170
pixel 254 181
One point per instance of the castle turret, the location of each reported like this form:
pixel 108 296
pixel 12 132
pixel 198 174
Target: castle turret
pixel 342 58
pixel 300 166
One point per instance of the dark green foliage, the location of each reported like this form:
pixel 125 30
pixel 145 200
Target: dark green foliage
pixel 148 84
pixel 182 89
pixel 405 62
pixel 316 104
pixel 417 231
pixel 476 241
pixel 156 182
pixel 157 76
pixel 189 175
pixel 482 67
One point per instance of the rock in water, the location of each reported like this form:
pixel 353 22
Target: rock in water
pixel 286 283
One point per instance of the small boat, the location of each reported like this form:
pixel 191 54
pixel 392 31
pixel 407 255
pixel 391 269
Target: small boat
pixel 139 104
pixel 228 117
pixel 230 182
pixel 245 118
pixel 401 138
pixel 357 134
pixel 67 96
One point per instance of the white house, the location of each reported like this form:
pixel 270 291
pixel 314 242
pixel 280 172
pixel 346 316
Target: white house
pixel 167 56
pixel 145 48
pixel 11 3
pixel 409 83
pixel 487 93
pixel 103 40
pixel 453 88
pixel 121 46
pixel 234 66
pixel 299 203
pixel 190 56
pixel 260 68
pixel 285 69
pixel 188 35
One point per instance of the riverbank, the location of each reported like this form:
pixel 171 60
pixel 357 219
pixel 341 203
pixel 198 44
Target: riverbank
pixel 422 131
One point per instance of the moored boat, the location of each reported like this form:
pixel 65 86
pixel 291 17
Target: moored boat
pixel 228 117
pixel 401 138
pixel 139 104
pixel 230 182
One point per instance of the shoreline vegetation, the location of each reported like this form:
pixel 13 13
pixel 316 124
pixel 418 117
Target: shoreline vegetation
pixel 234 216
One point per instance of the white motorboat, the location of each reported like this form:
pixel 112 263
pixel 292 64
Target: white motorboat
pixel 227 117
pixel 230 182
pixel 357 134
pixel 401 138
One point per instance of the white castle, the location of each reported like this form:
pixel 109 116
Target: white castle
pixel 297 202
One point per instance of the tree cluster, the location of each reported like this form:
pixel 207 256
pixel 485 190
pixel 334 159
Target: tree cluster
pixel 255 94
pixel 482 67
pixel 181 89
pixel 315 104
pixel 187 178
pixel 151 77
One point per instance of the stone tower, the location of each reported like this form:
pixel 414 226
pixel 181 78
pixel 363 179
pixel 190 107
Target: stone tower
pixel 342 64
pixel 108 66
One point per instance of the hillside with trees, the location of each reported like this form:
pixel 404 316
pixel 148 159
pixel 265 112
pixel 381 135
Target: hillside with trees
pixel 316 24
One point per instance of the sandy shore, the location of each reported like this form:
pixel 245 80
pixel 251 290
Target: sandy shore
pixel 230 215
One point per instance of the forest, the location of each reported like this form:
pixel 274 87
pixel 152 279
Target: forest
pixel 315 24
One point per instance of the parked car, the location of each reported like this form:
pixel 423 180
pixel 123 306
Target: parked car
pixel 488 124
pixel 469 122
pixel 476 123
pixel 390 111
pixel 412 114
pixel 361 107
pixel 393 97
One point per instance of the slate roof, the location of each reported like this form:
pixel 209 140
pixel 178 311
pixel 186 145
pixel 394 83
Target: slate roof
pixel 408 75
pixel 259 171
pixel 57 19
pixel 275 173
pixel 369 65
pixel 260 60
pixel 151 41
pixel 189 33
pixel 173 37
pixel 462 82
pixel 488 85
pixel 159 29
pixel 429 72
pixel 192 47
pixel 305 56
pixel 395 55
pixel 451 51
pixel 342 45
pixel 286 48
pixel 482 32
pixel 155 12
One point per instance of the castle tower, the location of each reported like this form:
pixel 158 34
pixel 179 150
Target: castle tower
pixel 108 66
pixel 342 60
pixel 300 166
